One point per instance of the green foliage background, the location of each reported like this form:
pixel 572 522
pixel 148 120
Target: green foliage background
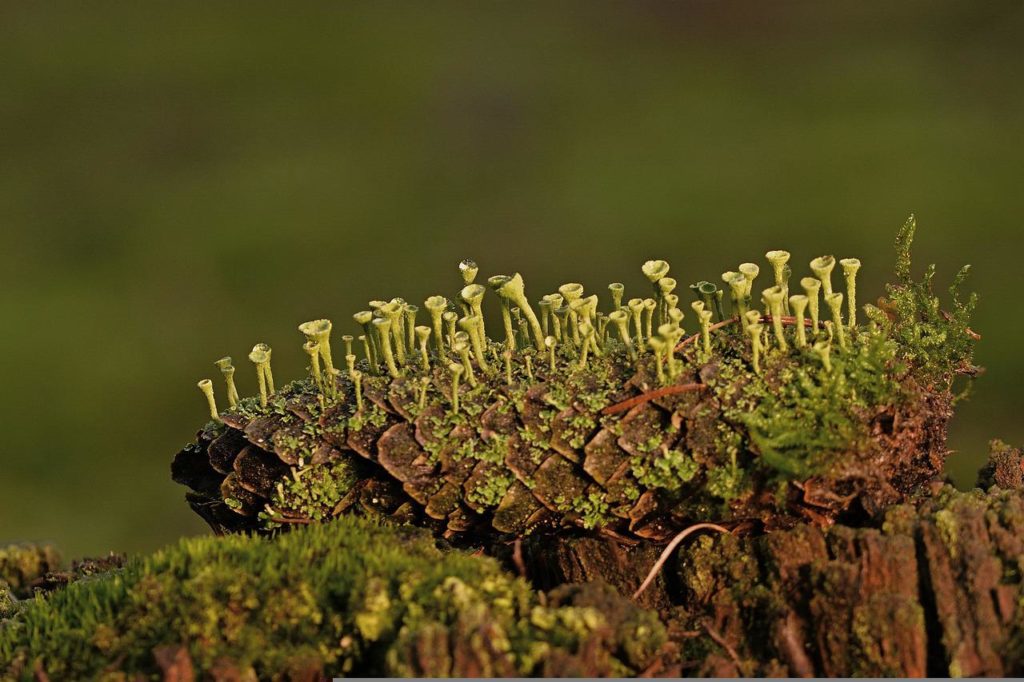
pixel 181 180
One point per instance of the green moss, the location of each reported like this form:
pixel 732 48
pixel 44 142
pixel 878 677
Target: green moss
pixel 8 603
pixel 727 483
pixel 938 342
pixel 347 597
pixel 945 521
pixel 801 418
pixel 21 565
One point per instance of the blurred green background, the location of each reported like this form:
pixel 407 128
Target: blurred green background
pixel 181 180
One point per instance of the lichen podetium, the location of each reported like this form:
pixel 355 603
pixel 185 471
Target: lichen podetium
pixel 602 416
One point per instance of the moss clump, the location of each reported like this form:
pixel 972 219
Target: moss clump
pixel 938 342
pixel 22 566
pixel 346 597
pixel 1004 468
pixel 800 417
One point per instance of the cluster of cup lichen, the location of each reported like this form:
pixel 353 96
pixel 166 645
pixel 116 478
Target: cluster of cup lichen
pixel 794 385
pixel 571 328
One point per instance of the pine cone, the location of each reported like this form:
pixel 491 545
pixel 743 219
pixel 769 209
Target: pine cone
pixel 540 456
pixel 740 427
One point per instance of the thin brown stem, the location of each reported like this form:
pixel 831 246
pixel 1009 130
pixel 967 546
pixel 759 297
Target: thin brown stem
pixel 721 641
pixel 286 519
pixel 667 552
pixel 652 395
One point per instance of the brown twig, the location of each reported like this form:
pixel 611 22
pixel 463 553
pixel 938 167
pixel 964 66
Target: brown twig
pixel 667 552
pixel 517 557
pixel 725 645
pixel 716 325
pixel 652 395
pixel 290 519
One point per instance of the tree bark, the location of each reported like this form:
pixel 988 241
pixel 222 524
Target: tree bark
pixel 932 590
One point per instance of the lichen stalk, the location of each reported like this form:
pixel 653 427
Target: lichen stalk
pixel 636 309
pixel 750 271
pixel 423 336
pixel 357 381
pixel 319 331
pixel 228 370
pixel 312 349
pixel 822 268
pixel 364 318
pixel 410 311
pixel 259 358
pixel 649 306
pixel 550 342
pixel 704 319
pixel 436 306
pixel 383 327
pixel 738 288
pixel 514 290
pixel 621 321
pixel 461 348
pixel 798 303
pixel 421 403
pixel 392 311
pixel 367 352
pixel 655 270
pixel 812 289
pixel 850 268
pixel 659 347
pixel 473 327
pixel 754 329
pixel 473 295
pixel 617 289
pixel 206 386
pixel 545 315
pixel 571 292
pixel 450 319
pixel 835 304
pixel 773 297
pixel 456 371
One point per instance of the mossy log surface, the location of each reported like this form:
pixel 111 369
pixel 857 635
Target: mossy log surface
pixel 345 598
pixel 400 522
pixel 932 589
